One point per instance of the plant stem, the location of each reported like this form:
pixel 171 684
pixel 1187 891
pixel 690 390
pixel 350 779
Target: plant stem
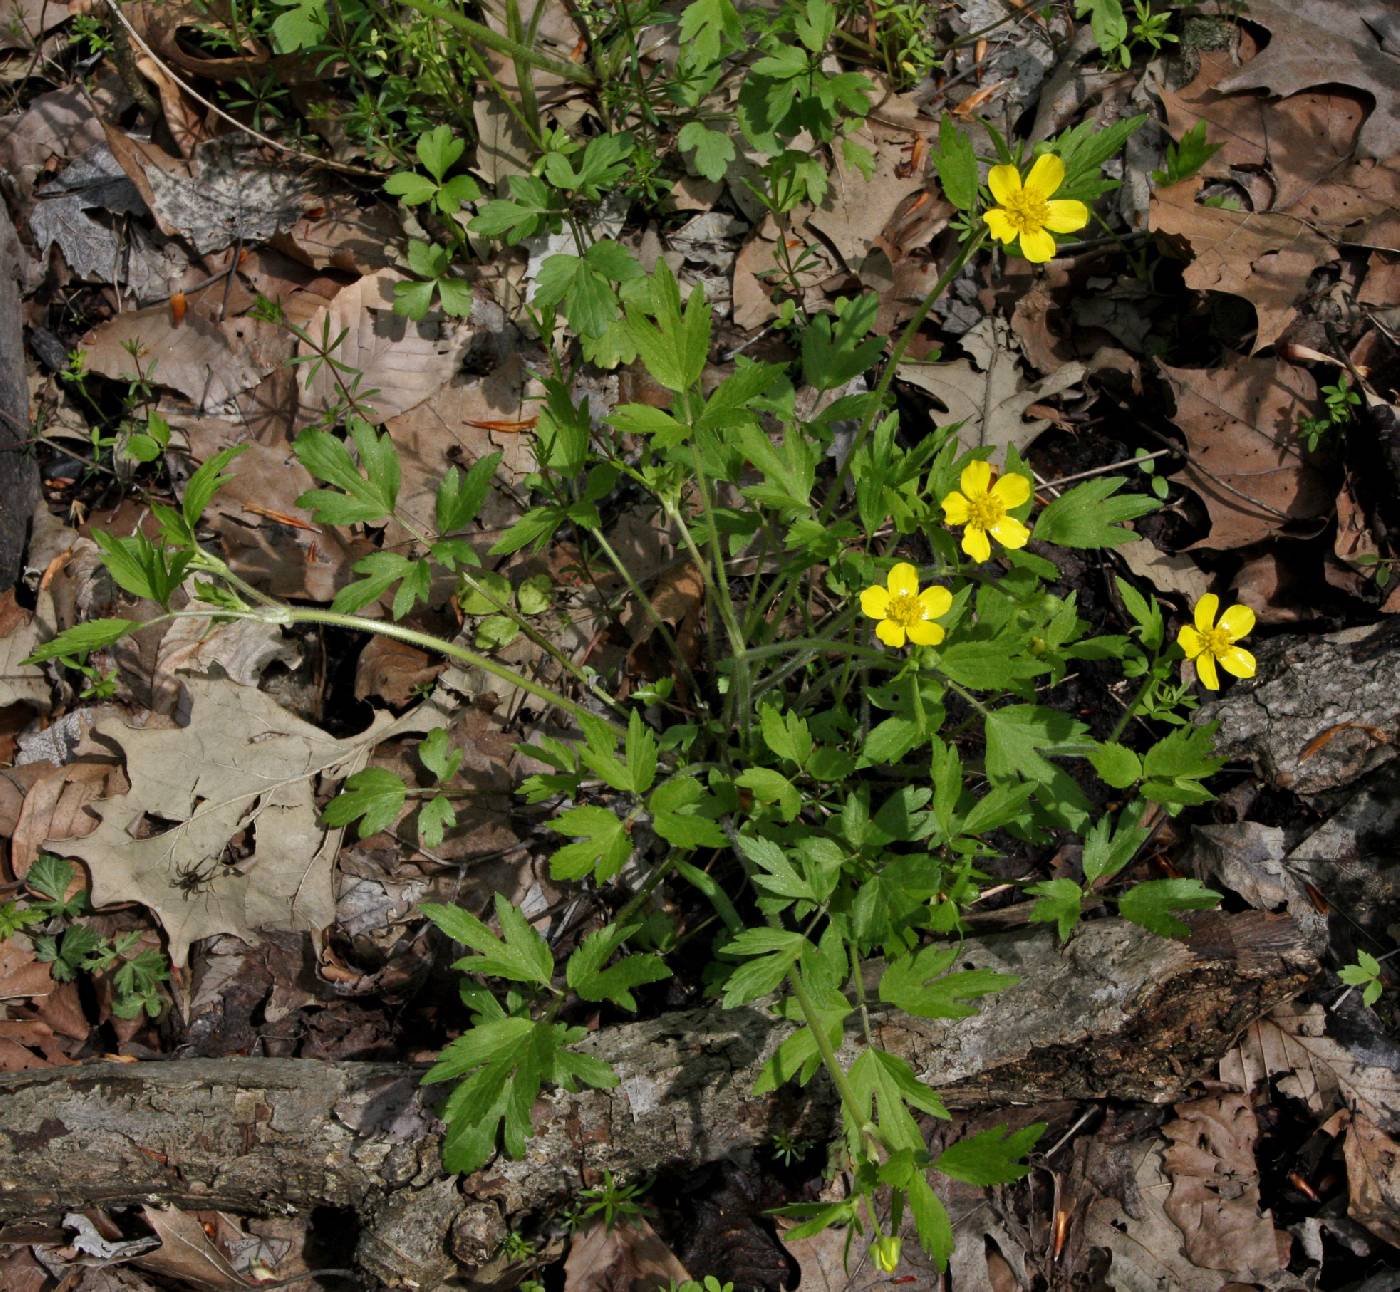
pixel 501 44
pixel 299 615
pixel 877 400
pixel 849 1100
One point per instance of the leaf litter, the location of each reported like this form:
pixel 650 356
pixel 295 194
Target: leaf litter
pixel 215 829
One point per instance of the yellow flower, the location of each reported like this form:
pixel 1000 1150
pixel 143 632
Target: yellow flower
pixel 1209 643
pixel 983 507
pixel 884 1251
pixel 1026 211
pixel 904 611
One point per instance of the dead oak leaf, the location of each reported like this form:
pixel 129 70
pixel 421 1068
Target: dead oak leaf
pixel 243 766
pixel 1214 1198
pixel 991 405
pixel 1244 457
pixel 1327 42
pixel 1264 257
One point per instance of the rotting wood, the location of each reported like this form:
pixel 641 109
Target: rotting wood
pixel 1118 1013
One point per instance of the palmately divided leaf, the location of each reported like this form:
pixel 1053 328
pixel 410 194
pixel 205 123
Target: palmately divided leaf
pixel 587 976
pixel 922 984
pixel 991 1156
pixel 522 956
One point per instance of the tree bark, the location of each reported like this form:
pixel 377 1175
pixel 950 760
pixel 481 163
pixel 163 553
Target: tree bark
pixel 1118 1013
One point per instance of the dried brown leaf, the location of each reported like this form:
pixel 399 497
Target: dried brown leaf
pixel 1292 1044
pixel 1327 42
pixel 198 358
pixel 628 1258
pixel 1214 1198
pixel 1244 458
pixel 1373 1179
pixel 1265 258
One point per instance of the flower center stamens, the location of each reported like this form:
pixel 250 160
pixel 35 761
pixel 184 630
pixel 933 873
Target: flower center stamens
pixel 905 611
pixel 1026 212
pixel 1215 642
pixel 985 512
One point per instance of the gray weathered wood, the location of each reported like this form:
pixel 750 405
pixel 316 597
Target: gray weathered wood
pixel 1118 1013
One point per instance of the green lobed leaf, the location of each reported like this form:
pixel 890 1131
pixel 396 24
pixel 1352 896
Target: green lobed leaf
pixel 990 1157
pixel 372 796
pixel 922 984
pixel 82 639
pixel 1059 904
pixel 587 976
pixel 522 955
pixel 1151 904
pixel 1090 515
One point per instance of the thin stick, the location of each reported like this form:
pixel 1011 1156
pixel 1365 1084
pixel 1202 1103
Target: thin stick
pixel 1098 471
pixel 140 40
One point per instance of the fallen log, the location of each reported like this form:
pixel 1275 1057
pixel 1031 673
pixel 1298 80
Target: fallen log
pixel 1118 1013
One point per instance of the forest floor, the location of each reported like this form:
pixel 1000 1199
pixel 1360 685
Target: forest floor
pixel 206 253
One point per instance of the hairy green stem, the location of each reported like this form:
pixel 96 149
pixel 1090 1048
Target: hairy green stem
pixel 299 615
pixel 501 44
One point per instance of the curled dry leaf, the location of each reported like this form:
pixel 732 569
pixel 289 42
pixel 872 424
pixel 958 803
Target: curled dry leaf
pixel 1327 42
pixel 628 1256
pixel 1292 1044
pixel 1244 456
pixel 1373 1179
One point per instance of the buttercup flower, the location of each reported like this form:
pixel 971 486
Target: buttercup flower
pixel 904 611
pixel 1025 211
pixel 983 506
pixel 1209 643
pixel 884 1251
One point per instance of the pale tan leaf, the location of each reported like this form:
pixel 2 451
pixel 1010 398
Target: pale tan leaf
pixel 1373 1179
pixel 1292 1044
pixel 402 362
pixel 195 357
pixel 991 405
pixel 186 1254
pixel 245 767
pixel 628 1258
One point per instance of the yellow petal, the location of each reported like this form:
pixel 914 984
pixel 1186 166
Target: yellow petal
pixel 976 477
pixel 935 601
pixel 1190 641
pixel 1005 183
pixel 1237 621
pixel 903 580
pixel 955 509
pixel 926 634
pixel 1205 670
pixel 1012 489
pixel 1037 246
pixel 1238 662
pixel 1066 216
pixel 1009 532
pixel 874 602
pixel 1000 225
pixel 1046 176
pixel 1204 614
pixel 890 633
pixel 975 544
